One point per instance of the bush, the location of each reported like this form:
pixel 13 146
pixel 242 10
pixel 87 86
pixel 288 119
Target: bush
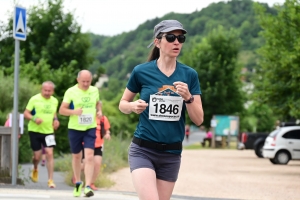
pixel 26 90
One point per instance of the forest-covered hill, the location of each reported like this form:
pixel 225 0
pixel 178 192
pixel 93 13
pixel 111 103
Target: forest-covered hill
pixel 120 53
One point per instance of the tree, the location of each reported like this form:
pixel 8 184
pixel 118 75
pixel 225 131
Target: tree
pixel 55 50
pixel 257 118
pixel 7 46
pixel 52 35
pixel 215 60
pixel 278 76
pixel 26 90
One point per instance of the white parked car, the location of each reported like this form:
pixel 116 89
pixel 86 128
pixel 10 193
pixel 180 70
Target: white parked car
pixel 283 145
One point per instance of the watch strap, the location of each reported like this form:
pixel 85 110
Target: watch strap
pixel 190 100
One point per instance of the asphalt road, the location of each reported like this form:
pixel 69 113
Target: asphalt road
pixel 195 137
pixel 41 194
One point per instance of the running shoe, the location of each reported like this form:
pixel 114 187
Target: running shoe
pixel 93 187
pixel 88 192
pixel 77 189
pixel 34 175
pixel 43 163
pixel 51 184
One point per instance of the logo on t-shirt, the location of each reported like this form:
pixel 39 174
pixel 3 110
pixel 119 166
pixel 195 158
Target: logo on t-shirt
pixel 167 90
pixel 85 99
pixel 47 109
pixel 47 106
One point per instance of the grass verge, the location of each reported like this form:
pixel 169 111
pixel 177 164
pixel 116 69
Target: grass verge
pixel 114 158
pixel 232 145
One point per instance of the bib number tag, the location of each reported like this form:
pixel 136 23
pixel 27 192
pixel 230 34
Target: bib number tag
pixel 50 140
pixel 165 108
pixel 86 119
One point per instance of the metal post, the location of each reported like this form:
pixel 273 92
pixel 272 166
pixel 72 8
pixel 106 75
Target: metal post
pixel 15 125
pixel 213 126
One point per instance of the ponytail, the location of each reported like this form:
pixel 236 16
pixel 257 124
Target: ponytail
pixel 155 53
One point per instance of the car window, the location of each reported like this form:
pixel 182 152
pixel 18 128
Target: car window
pixel 274 133
pixel 294 134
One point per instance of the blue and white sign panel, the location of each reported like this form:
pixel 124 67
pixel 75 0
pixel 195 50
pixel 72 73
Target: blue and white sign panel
pixel 19 26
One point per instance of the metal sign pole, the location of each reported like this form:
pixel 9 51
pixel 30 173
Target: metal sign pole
pixel 15 125
pixel 19 33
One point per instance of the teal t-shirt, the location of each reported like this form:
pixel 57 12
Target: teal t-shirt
pixel 147 80
pixel 44 109
pixel 85 99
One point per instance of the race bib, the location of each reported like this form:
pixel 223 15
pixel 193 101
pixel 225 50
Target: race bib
pixel 50 140
pixel 86 119
pixel 165 108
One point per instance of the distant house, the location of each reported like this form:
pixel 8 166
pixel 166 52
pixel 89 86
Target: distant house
pixel 102 79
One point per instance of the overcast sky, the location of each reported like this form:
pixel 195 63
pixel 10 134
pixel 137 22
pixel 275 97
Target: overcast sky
pixel 112 17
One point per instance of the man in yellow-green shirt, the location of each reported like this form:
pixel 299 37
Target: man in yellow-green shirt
pixel 41 111
pixel 81 104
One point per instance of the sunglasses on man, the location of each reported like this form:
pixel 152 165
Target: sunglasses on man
pixel 172 38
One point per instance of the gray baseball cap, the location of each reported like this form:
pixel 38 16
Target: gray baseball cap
pixel 167 26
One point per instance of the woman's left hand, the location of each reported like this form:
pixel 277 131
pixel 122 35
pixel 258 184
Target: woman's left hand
pixel 182 89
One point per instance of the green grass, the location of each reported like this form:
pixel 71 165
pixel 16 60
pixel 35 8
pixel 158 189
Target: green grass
pixel 233 145
pixel 114 158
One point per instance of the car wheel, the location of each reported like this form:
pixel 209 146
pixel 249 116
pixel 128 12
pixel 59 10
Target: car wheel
pixel 258 150
pixel 272 160
pixel 282 157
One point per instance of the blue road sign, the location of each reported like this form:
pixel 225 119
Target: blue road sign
pixel 19 26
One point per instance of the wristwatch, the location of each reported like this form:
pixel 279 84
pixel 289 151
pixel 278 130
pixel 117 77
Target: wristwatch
pixel 191 100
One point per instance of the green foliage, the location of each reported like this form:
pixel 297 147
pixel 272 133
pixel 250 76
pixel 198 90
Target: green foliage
pixel 52 35
pixel 115 154
pixel 120 53
pixel 26 90
pixel 122 125
pixel 55 50
pixel 7 45
pixel 215 60
pixel 257 118
pixel 277 78
pixel 198 146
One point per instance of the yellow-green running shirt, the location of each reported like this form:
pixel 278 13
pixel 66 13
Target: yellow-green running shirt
pixel 85 99
pixel 44 109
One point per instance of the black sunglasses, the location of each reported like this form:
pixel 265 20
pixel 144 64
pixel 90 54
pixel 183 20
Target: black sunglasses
pixel 172 38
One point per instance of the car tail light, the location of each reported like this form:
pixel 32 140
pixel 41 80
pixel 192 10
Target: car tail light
pixel 244 137
pixel 273 143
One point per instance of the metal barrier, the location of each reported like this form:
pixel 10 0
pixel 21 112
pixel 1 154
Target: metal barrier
pixel 5 151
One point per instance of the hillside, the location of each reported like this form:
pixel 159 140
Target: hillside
pixel 119 54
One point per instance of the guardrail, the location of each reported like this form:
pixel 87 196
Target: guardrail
pixel 5 151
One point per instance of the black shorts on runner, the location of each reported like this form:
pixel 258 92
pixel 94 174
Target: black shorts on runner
pixel 97 152
pixel 38 139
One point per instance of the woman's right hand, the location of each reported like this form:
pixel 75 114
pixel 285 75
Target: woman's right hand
pixel 138 106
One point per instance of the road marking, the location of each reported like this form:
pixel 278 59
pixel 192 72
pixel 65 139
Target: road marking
pixel 25 196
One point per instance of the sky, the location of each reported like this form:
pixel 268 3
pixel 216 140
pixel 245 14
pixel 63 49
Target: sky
pixel 113 17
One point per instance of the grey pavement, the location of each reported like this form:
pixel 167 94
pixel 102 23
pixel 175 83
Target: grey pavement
pixel 195 137
pixel 35 194
pixel 58 178
pixel 62 191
